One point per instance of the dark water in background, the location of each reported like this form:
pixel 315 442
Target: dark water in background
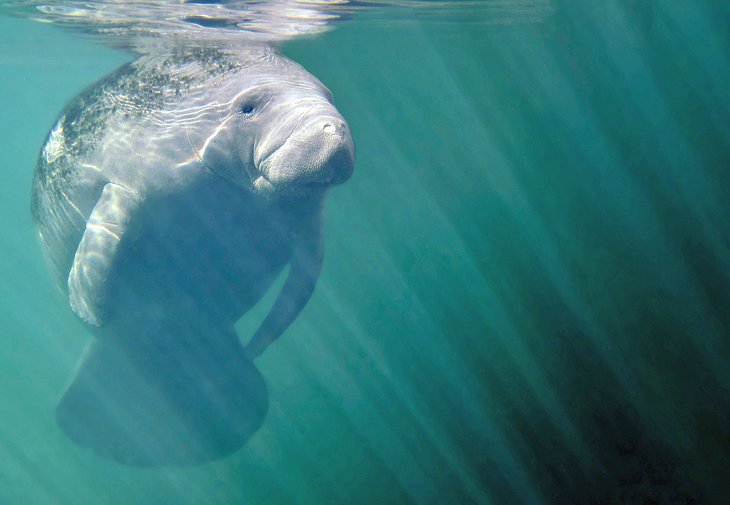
pixel 525 294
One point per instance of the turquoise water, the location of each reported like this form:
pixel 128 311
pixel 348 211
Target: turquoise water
pixel 524 297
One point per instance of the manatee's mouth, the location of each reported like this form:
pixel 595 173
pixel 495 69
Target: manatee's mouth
pixel 264 185
pixel 261 181
pixel 261 163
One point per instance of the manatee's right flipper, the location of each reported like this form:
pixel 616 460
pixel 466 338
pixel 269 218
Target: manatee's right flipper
pixel 306 264
pixel 173 397
pixel 105 228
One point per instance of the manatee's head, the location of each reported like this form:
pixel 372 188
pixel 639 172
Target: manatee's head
pixel 283 132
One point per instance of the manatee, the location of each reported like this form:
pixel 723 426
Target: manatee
pixel 168 198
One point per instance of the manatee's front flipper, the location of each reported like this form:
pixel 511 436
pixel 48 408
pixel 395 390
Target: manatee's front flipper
pixel 304 271
pixel 105 228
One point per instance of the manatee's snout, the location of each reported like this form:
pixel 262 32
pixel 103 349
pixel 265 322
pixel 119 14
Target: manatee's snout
pixel 318 153
pixel 329 148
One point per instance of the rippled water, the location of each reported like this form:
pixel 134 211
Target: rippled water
pixel 123 23
pixel 526 289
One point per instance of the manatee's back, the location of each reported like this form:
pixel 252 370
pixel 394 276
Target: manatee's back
pixel 69 176
pixel 65 187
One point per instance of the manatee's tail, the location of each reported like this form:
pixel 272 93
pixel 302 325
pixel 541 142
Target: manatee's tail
pixel 163 401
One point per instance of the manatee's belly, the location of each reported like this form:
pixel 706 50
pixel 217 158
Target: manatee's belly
pixel 203 257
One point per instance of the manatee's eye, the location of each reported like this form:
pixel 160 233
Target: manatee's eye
pixel 246 109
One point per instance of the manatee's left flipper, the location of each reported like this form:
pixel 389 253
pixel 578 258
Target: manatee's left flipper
pixel 105 228
pixel 304 271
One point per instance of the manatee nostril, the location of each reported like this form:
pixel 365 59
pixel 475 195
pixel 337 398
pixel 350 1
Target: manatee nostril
pixel 336 128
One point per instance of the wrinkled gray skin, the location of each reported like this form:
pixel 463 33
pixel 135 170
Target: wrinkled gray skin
pixel 168 198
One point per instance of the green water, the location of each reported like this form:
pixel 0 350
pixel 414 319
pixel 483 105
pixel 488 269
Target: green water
pixel 525 293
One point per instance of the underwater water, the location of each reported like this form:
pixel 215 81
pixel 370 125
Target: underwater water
pixel 525 297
